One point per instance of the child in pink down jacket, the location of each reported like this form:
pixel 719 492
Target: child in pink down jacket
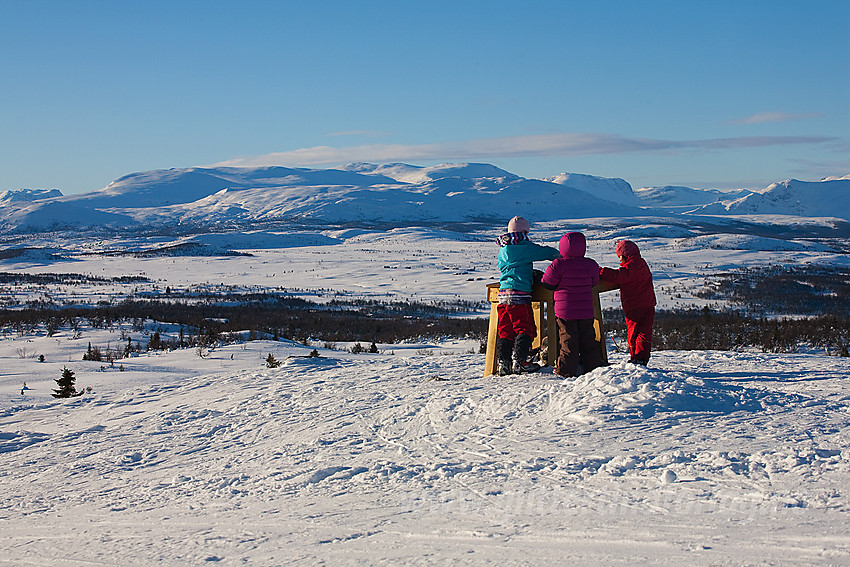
pixel 572 277
pixel 637 296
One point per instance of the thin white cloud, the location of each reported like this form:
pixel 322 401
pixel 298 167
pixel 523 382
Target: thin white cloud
pixel 566 144
pixel 765 117
pixel 372 133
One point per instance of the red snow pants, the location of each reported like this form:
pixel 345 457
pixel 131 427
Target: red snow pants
pixel 639 332
pixel 515 320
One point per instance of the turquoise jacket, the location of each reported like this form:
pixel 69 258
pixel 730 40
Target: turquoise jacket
pixel 515 263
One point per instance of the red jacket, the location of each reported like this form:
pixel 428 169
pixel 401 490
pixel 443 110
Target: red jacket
pixel 635 282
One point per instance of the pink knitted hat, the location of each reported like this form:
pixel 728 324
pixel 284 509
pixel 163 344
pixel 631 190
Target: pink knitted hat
pixel 518 224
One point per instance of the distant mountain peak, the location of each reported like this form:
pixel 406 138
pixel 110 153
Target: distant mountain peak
pixel 28 195
pixel 608 188
pixel 842 178
pixel 406 173
pixel 827 198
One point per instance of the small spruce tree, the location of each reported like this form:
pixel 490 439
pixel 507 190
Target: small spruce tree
pixel 155 342
pixel 66 385
pixel 93 354
pixel 272 362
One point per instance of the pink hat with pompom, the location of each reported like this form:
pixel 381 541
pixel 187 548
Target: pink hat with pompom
pixel 518 224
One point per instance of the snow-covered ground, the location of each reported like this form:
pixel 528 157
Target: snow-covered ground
pixel 422 264
pixel 411 456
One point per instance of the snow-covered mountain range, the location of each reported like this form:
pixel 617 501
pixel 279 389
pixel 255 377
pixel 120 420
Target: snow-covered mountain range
pixel 395 194
pixel 826 198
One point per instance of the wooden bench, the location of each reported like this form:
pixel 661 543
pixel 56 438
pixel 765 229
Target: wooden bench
pixel 543 306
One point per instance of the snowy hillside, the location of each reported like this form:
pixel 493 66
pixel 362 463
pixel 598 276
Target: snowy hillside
pixel 616 190
pixel 684 198
pixel 828 198
pixel 182 186
pixel 412 457
pixel 58 213
pixel 416 174
pixel 26 195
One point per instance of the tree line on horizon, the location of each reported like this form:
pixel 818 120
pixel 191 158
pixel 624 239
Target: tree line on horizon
pixel 208 324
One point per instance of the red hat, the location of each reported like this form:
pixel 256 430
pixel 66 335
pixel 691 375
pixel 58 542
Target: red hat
pixel 627 248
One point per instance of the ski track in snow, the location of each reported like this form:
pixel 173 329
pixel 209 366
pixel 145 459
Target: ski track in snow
pixel 407 457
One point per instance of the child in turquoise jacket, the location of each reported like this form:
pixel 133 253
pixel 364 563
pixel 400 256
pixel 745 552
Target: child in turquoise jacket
pixel 516 329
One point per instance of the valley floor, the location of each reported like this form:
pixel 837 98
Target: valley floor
pixel 411 456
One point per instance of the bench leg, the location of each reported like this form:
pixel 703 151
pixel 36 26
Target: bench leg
pixel 538 324
pixel 492 335
pixel 552 332
pixel 597 325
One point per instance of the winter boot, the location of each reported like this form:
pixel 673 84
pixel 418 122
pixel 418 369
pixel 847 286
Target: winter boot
pixel 504 352
pixel 526 367
pixel 523 355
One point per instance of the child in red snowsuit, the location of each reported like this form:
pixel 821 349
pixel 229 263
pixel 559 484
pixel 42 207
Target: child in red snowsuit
pixel 637 296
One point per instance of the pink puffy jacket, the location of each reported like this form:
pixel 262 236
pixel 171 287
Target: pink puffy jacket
pixel 572 277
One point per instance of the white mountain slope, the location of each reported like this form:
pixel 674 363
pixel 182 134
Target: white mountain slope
pixel 26 195
pixel 827 198
pixel 417 174
pixel 181 186
pixel 441 200
pixel 610 189
pixel 57 213
pixel 685 197
pixel 447 193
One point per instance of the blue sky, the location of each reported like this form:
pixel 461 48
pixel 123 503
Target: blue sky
pixel 719 94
